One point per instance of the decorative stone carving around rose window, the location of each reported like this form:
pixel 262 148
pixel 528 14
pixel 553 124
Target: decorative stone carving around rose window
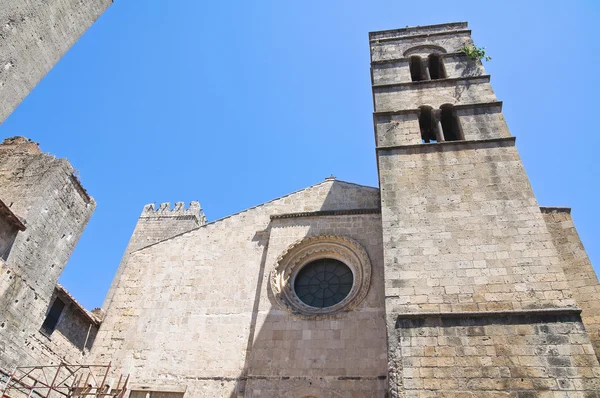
pixel 324 288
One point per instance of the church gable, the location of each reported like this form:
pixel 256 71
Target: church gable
pixel 208 293
pixel 328 196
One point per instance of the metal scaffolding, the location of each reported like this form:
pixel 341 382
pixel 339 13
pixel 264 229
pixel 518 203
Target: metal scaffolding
pixel 64 380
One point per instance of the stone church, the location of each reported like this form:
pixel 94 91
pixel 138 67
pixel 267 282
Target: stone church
pixel 448 280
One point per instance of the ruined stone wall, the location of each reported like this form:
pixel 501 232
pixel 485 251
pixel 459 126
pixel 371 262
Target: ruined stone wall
pixel 43 192
pixel 35 34
pixel 70 342
pixel 75 331
pixel 198 309
pixel 477 301
pixel 577 267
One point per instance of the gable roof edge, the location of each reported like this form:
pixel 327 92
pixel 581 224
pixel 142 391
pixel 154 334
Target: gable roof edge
pixel 252 208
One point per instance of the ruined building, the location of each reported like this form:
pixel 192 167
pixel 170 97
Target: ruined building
pixel 43 211
pixel 447 280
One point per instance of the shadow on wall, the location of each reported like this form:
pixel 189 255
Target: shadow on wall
pixel 323 356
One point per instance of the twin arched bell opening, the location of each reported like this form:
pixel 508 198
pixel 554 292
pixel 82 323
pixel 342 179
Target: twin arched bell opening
pixel 438 125
pixel 430 68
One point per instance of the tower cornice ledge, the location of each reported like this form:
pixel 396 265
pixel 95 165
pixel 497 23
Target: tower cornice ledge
pixel 408 30
pixel 419 36
pixel 436 82
pixel 451 145
pixel 477 105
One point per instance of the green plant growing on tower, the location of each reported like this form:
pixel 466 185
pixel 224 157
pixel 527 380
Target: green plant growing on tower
pixel 474 53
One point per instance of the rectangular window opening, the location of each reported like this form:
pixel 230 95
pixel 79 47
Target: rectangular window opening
pixel 51 320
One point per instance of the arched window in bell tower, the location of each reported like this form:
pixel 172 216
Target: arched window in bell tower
pixel 416 68
pixel 428 124
pixel 436 67
pixel 450 123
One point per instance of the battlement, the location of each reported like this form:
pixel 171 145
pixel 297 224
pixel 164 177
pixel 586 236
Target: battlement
pixel 411 31
pixel 164 210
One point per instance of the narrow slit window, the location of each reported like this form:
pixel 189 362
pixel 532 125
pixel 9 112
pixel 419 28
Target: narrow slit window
pixel 436 67
pixel 53 315
pixel 428 125
pixel 416 69
pixel 450 124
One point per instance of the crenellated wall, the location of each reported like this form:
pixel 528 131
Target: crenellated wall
pixel 155 225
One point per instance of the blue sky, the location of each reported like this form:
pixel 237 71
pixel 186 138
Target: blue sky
pixel 234 103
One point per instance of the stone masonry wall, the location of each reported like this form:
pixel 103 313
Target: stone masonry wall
pixel 69 342
pixel 34 35
pixel 463 232
pixel 155 225
pixel 392 98
pixel 43 192
pixel 477 123
pixel 398 72
pixel 196 310
pixel 577 267
pixel 477 301
pixel 349 347
pixel 542 356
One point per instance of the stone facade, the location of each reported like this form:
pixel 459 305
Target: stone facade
pixel 461 286
pixel 477 297
pixel 34 35
pixel 198 310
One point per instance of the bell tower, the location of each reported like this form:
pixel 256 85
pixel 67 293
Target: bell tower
pixel 476 297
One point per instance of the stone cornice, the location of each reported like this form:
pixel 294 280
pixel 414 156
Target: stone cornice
pixel 436 82
pixel 407 30
pixel 485 314
pixel 420 36
pixel 406 59
pixel 479 105
pixel 323 213
pixel 449 145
